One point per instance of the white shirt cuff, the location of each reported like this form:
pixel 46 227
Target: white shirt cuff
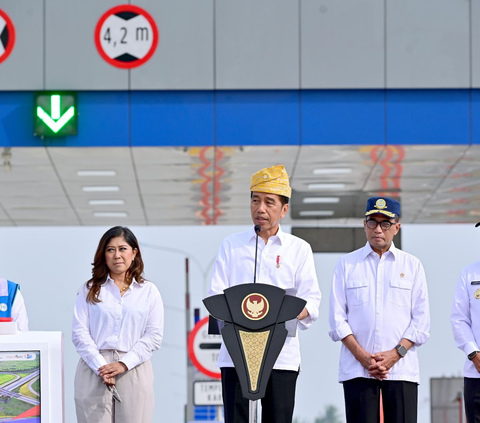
pixel 97 362
pixel 470 347
pixel 340 332
pixel 307 322
pixel 130 360
pixel 416 336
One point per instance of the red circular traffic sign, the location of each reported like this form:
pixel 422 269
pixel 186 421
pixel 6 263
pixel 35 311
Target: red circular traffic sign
pixel 7 36
pixel 126 36
pixel 203 349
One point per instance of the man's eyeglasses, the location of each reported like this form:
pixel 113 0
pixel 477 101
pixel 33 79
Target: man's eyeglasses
pixel 384 224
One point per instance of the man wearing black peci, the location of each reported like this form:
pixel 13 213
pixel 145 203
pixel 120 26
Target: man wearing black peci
pixel 284 261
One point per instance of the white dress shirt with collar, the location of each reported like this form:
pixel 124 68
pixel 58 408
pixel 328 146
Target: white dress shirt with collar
pixel 132 323
pixel 379 301
pixel 465 317
pixel 295 273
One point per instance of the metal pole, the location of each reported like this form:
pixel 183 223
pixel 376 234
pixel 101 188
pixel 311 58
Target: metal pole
pixel 187 297
pixel 381 407
pixel 460 408
pixel 252 411
pixel 190 370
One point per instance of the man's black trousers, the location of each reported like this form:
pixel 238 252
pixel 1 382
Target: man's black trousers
pixel 277 405
pixel 362 400
pixel 471 388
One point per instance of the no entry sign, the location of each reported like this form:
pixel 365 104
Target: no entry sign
pixel 7 36
pixel 203 349
pixel 126 36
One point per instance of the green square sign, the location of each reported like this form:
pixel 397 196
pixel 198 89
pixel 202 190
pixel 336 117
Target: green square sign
pixel 55 114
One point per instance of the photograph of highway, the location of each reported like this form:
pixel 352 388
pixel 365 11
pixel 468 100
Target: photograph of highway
pixel 20 386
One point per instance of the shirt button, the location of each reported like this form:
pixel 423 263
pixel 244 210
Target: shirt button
pixel 378 329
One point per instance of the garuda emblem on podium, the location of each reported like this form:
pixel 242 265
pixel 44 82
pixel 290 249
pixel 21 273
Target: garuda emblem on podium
pixel 255 306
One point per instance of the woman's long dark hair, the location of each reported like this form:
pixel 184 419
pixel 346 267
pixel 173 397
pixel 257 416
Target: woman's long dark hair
pixel 100 269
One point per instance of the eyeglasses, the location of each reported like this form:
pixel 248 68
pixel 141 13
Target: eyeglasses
pixel 384 224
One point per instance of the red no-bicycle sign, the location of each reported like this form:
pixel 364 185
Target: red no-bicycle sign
pixel 126 36
pixel 7 36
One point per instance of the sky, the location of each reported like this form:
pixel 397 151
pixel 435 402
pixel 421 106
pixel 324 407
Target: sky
pixel 51 264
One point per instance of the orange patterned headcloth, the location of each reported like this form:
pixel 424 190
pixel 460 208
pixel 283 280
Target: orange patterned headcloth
pixel 273 180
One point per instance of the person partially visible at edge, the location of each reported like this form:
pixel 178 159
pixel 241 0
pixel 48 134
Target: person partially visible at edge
pixel 117 324
pixel 12 304
pixel 465 320
pixel 379 311
pixel 284 261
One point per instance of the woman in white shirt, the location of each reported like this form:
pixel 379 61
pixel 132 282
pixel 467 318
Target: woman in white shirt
pixel 117 324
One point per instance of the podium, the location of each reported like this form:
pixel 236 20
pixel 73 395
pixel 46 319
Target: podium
pixel 32 366
pixel 254 331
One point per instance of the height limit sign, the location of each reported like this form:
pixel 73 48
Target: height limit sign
pixel 126 36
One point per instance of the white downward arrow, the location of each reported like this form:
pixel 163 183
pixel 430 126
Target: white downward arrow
pixel 55 122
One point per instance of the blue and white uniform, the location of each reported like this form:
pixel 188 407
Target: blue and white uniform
pixel 12 303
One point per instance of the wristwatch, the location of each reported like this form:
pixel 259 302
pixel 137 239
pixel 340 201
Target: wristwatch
pixel 402 351
pixel 472 355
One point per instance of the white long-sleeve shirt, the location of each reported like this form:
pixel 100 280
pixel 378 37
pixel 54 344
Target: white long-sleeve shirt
pixel 379 301
pixel 132 323
pixel 296 274
pixel 465 316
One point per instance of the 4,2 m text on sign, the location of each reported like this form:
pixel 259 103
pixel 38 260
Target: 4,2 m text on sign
pixel 126 36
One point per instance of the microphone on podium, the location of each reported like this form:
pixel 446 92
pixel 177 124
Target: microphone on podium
pixel 257 230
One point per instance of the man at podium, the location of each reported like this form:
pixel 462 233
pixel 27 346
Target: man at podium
pixel 283 260
pixel 12 304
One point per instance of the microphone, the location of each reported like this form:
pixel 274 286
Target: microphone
pixel 257 230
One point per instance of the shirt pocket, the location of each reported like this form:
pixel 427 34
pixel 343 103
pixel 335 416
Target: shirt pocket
pixel 401 292
pixel 357 291
pixel 474 295
pixel 283 277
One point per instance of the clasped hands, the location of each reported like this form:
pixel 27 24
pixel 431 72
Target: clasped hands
pixel 379 364
pixel 109 371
